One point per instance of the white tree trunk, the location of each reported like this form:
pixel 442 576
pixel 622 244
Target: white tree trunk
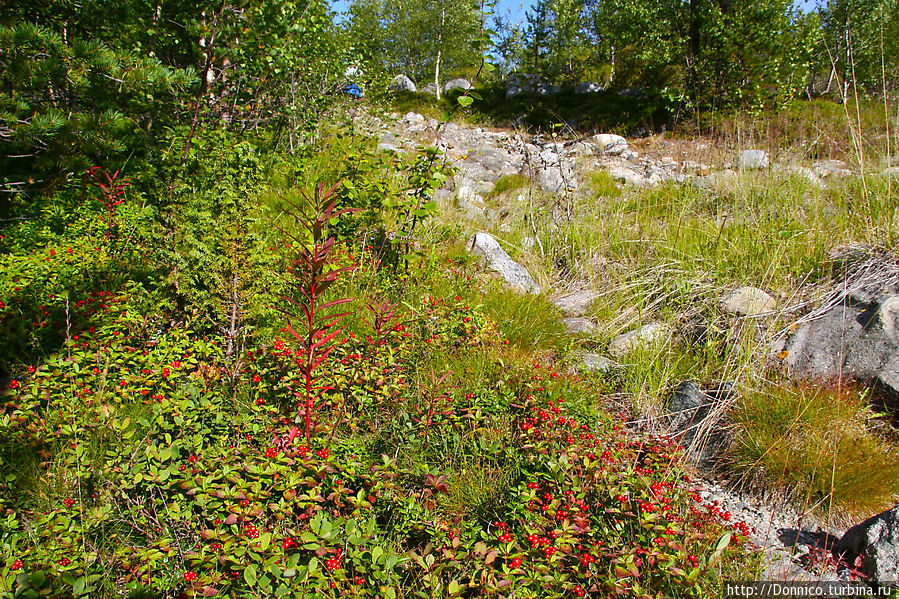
pixel 439 51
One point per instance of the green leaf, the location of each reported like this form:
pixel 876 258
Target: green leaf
pixel 250 575
pixel 465 100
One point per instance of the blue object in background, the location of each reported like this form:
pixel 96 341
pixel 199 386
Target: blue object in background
pixel 353 90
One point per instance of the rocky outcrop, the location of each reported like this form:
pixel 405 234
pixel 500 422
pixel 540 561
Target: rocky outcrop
pixel 855 334
pixel 530 85
pixel 496 259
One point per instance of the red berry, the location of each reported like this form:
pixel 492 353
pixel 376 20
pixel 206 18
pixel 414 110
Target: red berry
pixel 17 565
pixel 516 562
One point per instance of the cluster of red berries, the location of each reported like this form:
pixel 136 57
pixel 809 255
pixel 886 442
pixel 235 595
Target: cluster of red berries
pixel 579 591
pixel 190 576
pixel 252 531
pixel 322 453
pixel 271 452
pixel 17 565
pixel 64 562
pixel 358 580
pixel 68 502
pixel 333 563
pixel 536 540
pixel 694 561
pixel 587 559
pixel 288 543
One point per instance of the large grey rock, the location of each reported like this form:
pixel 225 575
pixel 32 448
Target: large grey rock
pixel 401 83
pixel 463 84
pixel 588 87
pixel 752 159
pixel 577 303
pixel 496 258
pixel 857 338
pixel 747 301
pixel 647 335
pixel 555 179
pixel 876 540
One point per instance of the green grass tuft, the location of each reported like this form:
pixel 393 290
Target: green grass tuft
pixel 817 444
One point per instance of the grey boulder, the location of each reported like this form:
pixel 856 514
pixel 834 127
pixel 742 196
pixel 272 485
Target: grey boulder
pixel 647 335
pixel 463 84
pixel 496 259
pixel 876 540
pixel 401 83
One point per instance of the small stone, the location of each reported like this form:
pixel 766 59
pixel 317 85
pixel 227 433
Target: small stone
pixel 752 159
pixel 577 303
pixel 644 336
pixel 747 301
pixel 596 363
pixel 609 143
pixel 577 324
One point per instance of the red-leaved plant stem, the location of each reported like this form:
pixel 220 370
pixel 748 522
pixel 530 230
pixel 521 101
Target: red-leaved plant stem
pixel 310 274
